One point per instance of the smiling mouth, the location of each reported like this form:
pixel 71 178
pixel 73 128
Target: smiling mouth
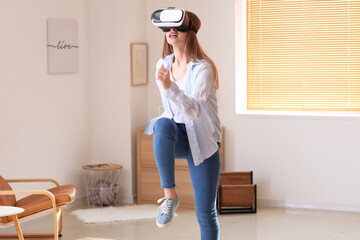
pixel 173 35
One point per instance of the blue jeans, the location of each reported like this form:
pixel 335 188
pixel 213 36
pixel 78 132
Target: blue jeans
pixel 170 142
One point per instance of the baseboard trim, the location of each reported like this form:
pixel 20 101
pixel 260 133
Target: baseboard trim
pixel 78 201
pixel 132 199
pixel 128 199
pixel 260 202
pixel 302 205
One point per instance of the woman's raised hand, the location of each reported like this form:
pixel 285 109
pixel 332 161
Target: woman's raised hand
pixel 163 75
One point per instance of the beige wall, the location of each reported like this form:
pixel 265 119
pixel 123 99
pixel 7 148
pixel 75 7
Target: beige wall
pixel 44 119
pixel 51 125
pixel 117 108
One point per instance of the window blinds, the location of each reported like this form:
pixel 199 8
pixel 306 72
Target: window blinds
pixel 303 55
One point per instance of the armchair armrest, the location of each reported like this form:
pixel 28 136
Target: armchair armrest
pixel 30 192
pixel 33 180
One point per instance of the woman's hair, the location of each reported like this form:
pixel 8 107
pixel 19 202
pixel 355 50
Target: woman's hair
pixel 193 50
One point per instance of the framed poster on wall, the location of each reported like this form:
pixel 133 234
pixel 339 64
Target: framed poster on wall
pixel 62 46
pixel 139 64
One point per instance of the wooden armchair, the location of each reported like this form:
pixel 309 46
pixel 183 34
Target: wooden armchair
pixel 236 193
pixel 37 202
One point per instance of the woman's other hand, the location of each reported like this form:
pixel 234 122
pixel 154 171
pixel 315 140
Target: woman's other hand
pixel 163 75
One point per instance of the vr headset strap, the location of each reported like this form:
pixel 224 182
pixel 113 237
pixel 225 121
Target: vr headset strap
pixel 192 27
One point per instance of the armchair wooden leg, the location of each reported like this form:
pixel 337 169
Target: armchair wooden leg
pixel 57 215
pixel 61 223
pixel 18 228
pixel 58 223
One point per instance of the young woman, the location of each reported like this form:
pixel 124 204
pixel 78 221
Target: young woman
pixel 189 128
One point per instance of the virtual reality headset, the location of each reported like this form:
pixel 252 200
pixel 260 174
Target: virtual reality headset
pixel 171 17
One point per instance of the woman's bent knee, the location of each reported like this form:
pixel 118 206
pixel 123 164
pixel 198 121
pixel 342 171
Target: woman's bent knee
pixel 164 126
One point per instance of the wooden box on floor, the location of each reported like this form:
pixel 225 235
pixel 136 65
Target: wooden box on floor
pixel 148 179
pixel 236 193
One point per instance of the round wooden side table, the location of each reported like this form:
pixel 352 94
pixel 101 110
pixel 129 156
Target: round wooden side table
pixel 13 211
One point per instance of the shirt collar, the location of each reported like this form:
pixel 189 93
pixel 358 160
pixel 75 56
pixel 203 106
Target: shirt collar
pixel 169 59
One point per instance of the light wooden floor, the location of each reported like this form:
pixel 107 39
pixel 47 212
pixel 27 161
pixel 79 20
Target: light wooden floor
pixel 268 224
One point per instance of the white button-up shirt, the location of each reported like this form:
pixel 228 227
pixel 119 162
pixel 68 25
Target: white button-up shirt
pixel 199 105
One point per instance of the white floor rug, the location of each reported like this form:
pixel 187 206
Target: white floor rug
pixel 116 214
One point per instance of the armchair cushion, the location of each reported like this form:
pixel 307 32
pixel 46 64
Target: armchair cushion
pixel 35 203
pixel 6 200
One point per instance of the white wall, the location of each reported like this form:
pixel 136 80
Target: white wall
pixel 51 125
pixel 117 108
pixel 139 95
pixel 297 161
pixel 44 118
